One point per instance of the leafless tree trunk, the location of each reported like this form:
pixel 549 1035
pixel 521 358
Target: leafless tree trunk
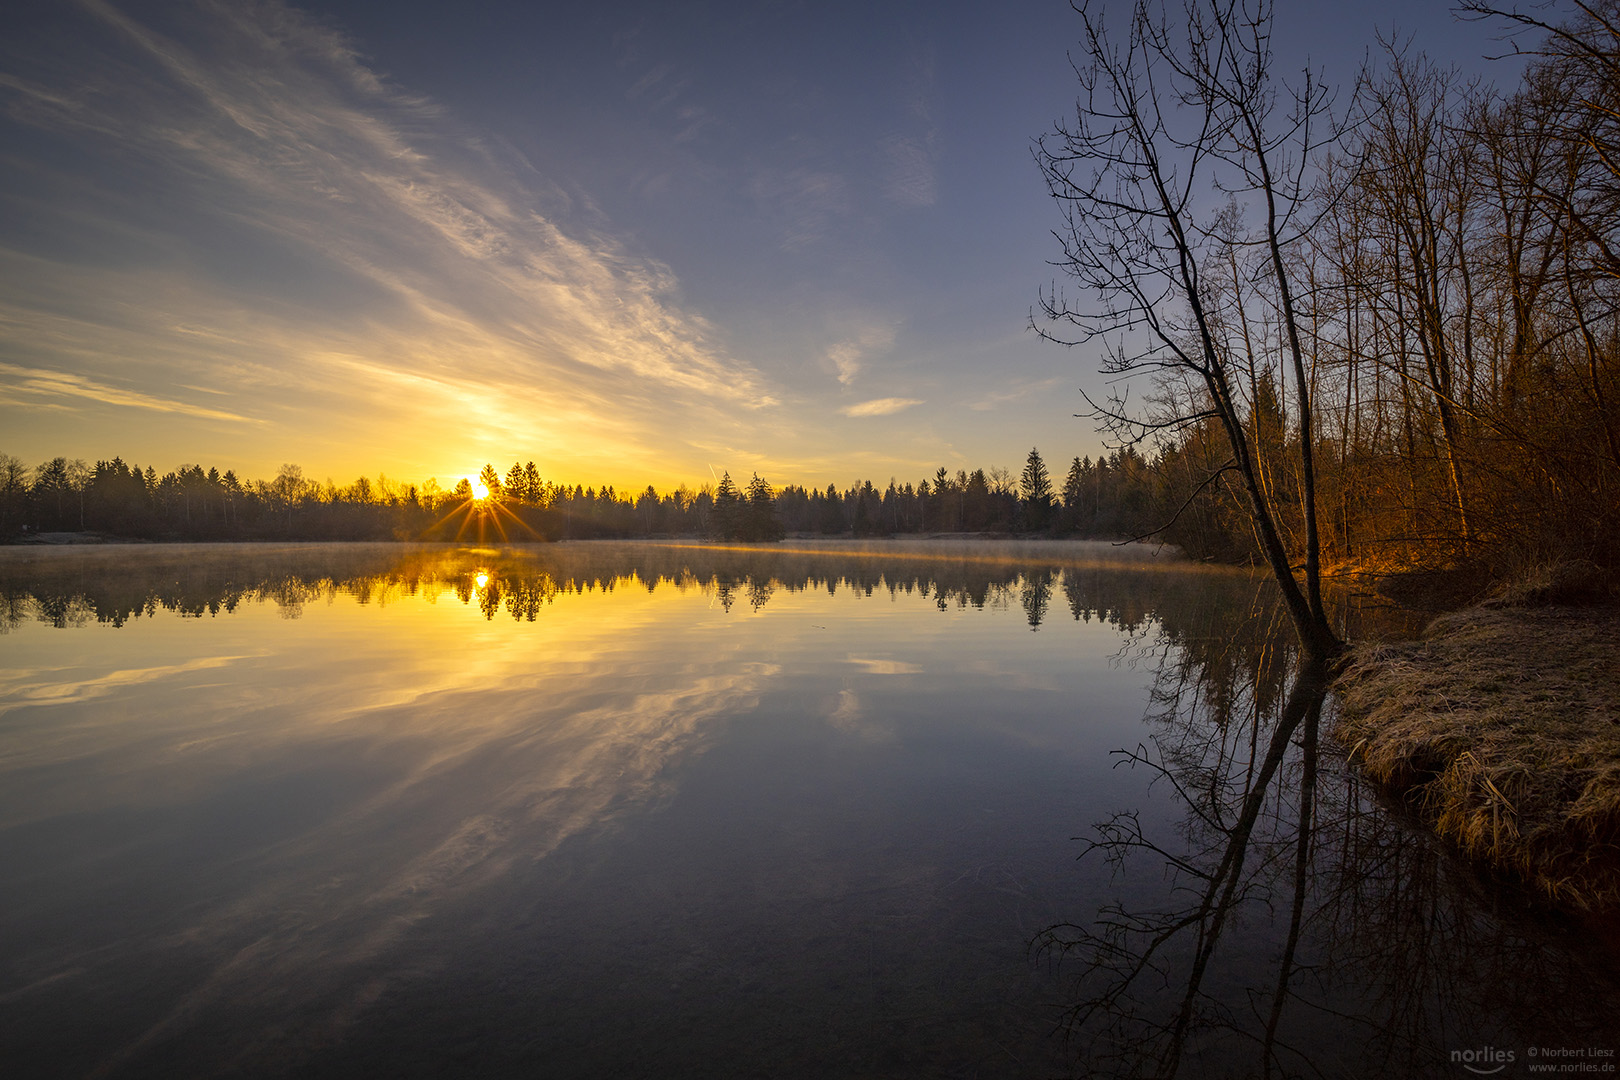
pixel 1170 110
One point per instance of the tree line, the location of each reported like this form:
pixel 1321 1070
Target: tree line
pixel 1119 495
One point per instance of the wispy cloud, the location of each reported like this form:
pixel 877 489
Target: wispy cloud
pixel 849 355
pixel 1016 392
pixel 880 406
pixel 806 203
pixel 658 83
pixel 24 385
pixel 910 158
pixel 846 359
pixel 909 169
pixel 321 211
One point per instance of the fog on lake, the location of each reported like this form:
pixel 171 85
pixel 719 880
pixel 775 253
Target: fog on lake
pixel 601 809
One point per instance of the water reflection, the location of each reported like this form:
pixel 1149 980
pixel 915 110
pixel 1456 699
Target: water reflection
pixel 1277 919
pixel 265 810
pixel 294 810
pixel 1124 588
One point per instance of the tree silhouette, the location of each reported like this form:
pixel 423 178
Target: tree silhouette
pixel 1035 488
pixel 760 520
pixel 726 518
pixel 491 481
pixel 1186 101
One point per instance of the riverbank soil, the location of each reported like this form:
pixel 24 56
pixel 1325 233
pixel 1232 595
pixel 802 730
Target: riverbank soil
pixel 1500 726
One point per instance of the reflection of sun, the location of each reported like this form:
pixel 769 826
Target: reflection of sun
pixel 481 579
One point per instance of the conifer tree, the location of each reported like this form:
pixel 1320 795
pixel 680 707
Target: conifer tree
pixel 1036 488
pixel 1074 491
pixel 761 522
pixel 727 510
pixel 491 480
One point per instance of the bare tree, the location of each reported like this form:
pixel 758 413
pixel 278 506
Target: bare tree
pixel 78 477
pixel 1179 118
pixel 13 490
pixel 287 489
pixel 1571 101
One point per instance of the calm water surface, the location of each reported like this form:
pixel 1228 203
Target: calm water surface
pixel 656 810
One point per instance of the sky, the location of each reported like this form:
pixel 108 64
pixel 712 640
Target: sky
pixel 634 243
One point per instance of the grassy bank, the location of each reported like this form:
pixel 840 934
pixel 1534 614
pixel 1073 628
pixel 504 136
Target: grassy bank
pixel 1500 726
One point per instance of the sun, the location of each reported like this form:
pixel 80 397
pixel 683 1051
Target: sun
pixel 477 507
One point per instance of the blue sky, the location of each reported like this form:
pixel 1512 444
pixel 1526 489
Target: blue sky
pixel 638 243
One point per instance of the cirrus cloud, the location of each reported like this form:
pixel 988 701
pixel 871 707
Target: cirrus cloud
pixel 236 201
pixel 880 406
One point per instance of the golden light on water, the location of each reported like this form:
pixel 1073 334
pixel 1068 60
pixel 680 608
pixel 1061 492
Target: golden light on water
pixel 481 579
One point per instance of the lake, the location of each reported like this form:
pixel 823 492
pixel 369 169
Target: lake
pixel 665 810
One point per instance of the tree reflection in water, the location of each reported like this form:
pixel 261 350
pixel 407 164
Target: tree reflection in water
pixel 1290 923
pixel 68 587
pixel 1272 918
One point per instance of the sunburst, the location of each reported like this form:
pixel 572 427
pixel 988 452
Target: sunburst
pixel 481 512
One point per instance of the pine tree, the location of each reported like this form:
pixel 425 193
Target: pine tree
pixel 760 520
pixel 831 519
pixel 727 516
pixel 534 490
pixel 1074 491
pixel 491 480
pixel 1036 488
pixel 53 491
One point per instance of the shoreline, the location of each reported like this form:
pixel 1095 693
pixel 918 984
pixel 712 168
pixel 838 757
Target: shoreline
pixel 1499 727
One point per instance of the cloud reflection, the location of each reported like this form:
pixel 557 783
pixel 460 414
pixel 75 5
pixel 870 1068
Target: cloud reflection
pixel 451 752
pixel 351 802
pixel 874 666
pixel 16 690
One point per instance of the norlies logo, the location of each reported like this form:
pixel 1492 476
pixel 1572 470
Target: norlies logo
pixel 1485 1061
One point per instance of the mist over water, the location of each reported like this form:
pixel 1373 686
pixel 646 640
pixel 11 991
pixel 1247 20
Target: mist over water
pixel 660 809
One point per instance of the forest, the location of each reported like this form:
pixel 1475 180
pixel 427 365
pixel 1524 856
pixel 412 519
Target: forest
pixel 1376 325
pixel 1114 496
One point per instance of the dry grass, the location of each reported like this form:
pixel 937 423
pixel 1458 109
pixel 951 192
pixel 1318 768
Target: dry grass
pixel 1501 727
